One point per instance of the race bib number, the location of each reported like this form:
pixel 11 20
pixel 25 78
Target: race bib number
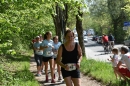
pixel 55 53
pixel 72 66
pixel 49 53
pixel 39 52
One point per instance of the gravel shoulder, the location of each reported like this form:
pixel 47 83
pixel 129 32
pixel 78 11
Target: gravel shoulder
pixel 85 80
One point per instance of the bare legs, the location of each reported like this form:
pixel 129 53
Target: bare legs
pixel 58 69
pixel 51 68
pixel 116 74
pixel 38 69
pixel 76 81
pixel 69 80
pixel 42 67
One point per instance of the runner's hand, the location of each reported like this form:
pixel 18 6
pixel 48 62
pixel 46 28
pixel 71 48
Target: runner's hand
pixel 78 65
pixel 66 67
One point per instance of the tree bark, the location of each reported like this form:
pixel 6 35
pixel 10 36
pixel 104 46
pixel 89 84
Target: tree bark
pixel 60 20
pixel 79 29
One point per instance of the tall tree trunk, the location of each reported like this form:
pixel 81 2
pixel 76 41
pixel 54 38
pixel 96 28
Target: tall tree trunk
pixel 79 29
pixel 60 20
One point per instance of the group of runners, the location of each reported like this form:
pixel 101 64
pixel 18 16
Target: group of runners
pixel 45 50
pixel 67 56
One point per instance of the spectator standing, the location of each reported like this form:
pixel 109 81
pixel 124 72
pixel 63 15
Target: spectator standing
pixel 38 55
pixel 56 45
pixel 69 58
pixel 123 67
pixel 114 60
pixel 47 45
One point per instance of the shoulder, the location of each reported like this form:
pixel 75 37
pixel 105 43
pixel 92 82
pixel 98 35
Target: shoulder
pixel 59 43
pixel 61 46
pixel 116 56
pixel 44 41
pixel 125 56
pixel 77 43
pixel 34 43
pixel 51 40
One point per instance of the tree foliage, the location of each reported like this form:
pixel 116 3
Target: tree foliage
pixel 118 17
pixel 22 20
pixel 99 17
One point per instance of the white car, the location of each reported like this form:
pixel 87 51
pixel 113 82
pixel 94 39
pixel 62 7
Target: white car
pixel 85 39
pixel 99 39
pixel 127 42
pixel 76 39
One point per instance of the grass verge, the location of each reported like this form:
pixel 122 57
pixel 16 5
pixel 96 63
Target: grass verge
pixel 14 71
pixel 101 71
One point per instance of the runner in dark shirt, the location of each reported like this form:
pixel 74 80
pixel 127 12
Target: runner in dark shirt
pixel 69 58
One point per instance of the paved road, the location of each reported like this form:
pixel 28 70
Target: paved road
pixel 95 50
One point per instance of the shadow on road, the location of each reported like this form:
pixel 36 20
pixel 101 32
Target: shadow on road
pixel 53 84
pixel 92 45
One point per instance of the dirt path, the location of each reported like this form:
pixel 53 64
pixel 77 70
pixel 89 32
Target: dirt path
pixel 85 81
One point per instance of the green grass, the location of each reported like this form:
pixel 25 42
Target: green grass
pixel 14 71
pixel 101 71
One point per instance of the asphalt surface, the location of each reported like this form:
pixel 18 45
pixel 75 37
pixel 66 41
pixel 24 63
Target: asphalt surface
pixel 96 51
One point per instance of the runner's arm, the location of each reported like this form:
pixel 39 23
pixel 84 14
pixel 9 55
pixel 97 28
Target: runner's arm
pixel 59 56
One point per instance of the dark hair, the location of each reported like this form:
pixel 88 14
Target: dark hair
pixel 68 31
pixel 115 50
pixel 125 49
pixel 45 35
pixel 54 37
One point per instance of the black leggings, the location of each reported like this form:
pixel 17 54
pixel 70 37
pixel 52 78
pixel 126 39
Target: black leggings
pixel 38 59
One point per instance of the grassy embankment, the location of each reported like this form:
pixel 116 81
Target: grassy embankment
pixel 101 71
pixel 14 71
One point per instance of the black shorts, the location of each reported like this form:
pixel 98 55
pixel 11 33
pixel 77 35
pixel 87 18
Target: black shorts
pixel 46 59
pixel 72 74
pixel 38 59
pixel 55 59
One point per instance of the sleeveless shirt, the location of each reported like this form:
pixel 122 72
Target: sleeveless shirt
pixel 69 56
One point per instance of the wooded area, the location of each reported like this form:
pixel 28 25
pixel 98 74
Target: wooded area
pixel 22 20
